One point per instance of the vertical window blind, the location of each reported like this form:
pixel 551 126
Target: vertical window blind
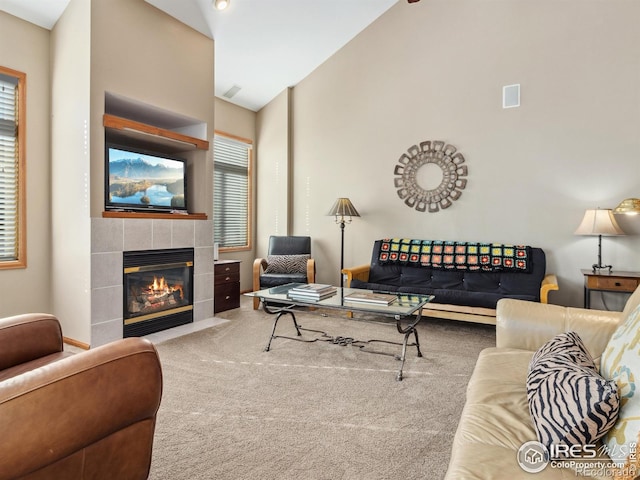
pixel 231 192
pixel 9 168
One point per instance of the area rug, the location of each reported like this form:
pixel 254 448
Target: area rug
pixel 310 411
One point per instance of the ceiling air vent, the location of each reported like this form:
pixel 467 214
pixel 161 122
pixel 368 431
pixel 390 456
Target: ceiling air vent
pixel 232 91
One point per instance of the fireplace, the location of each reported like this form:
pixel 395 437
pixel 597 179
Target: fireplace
pixel 158 290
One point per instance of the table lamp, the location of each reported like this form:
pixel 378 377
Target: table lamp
pixel 599 222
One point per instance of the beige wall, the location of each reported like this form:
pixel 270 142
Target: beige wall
pixel 125 47
pixel 428 71
pixel 238 121
pixel 143 54
pixel 273 171
pixel 25 47
pixel 435 71
pixel 235 120
pixel 70 188
pixel 133 50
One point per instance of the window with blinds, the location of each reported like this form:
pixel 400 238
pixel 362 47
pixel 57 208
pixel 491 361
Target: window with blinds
pixel 231 192
pixel 12 231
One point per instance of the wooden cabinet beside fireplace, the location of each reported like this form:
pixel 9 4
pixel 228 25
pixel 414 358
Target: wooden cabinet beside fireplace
pixel 226 285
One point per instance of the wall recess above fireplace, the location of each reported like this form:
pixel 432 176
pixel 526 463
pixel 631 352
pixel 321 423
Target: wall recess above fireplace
pixel 152 125
pixel 136 125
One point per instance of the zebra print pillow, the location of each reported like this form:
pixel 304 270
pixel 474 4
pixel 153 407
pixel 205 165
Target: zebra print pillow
pixel 567 344
pixel 287 263
pixel 570 403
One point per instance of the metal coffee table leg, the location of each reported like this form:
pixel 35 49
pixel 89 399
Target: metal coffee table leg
pixel 411 328
pixel 279 312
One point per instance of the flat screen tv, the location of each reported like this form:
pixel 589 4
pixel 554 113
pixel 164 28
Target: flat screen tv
pixel 143 180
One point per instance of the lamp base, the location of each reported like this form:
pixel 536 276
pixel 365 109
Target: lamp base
pixel 597 266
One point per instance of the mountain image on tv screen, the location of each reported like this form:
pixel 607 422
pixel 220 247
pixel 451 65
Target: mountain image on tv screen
pixel 145 180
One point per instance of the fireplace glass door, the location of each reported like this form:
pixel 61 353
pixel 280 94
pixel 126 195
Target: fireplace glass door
pixel 157 290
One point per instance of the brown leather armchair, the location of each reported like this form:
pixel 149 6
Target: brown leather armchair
pixel 74 416
pixel 267 275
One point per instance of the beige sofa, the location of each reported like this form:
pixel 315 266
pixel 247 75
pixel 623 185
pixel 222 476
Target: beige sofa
pixel 495 421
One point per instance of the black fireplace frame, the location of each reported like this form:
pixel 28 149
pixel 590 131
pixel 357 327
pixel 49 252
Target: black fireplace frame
pixel 150 258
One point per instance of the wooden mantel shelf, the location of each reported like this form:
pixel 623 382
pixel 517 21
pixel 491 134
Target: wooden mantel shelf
pixel 137 128
pixel 155 215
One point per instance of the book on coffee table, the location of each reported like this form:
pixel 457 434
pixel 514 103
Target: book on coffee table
pixel 371 297
pixel 313 288
pixel 312 291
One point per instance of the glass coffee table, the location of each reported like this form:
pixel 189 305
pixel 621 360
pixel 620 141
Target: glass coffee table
pixel 404 309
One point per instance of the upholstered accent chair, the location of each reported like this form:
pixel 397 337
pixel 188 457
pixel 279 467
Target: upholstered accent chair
pixel 67 416
pixel 288 261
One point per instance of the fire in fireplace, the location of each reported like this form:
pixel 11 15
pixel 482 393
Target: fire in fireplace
pixel 150 296
pixel 158 291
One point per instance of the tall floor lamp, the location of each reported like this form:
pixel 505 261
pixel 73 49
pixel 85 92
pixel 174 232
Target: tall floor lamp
pixel 599 222
pixel 343 210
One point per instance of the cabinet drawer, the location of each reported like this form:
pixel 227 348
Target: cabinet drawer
pixel 226 297
pixel 224 278
pixel 613 283
pixel 226 268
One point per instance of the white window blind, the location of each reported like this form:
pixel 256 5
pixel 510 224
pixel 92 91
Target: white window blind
pixel 8 168
pixel 231 192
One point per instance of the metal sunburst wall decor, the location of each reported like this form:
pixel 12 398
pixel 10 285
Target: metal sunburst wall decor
pixel 441 195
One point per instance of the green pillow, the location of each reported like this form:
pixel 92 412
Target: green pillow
pixel 621 362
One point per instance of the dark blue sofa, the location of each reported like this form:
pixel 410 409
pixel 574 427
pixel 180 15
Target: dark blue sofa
pixel 469 295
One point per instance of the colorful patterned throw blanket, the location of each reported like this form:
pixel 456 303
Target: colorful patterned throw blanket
pixel 488 257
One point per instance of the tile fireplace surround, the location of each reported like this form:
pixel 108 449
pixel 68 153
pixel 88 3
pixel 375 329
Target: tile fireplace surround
pixel 112 236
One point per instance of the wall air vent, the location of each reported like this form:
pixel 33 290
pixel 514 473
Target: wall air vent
pixel 511 96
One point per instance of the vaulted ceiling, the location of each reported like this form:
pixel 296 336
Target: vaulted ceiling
pixel 261 46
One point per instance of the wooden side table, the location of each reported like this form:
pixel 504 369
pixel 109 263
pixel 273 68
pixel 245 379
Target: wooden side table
pixel 226 285
pixel 605 281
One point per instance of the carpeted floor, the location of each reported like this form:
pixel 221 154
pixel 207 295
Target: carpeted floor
pixel 310 410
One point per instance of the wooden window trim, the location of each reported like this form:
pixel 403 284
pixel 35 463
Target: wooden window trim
pixel 249 245
pixel 21 262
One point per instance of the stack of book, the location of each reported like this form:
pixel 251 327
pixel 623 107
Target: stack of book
pixel 371 297
pixel 311 292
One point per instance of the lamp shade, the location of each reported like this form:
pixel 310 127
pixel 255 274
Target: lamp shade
pixel 629 206
pixel 343 208
pixel 599 222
